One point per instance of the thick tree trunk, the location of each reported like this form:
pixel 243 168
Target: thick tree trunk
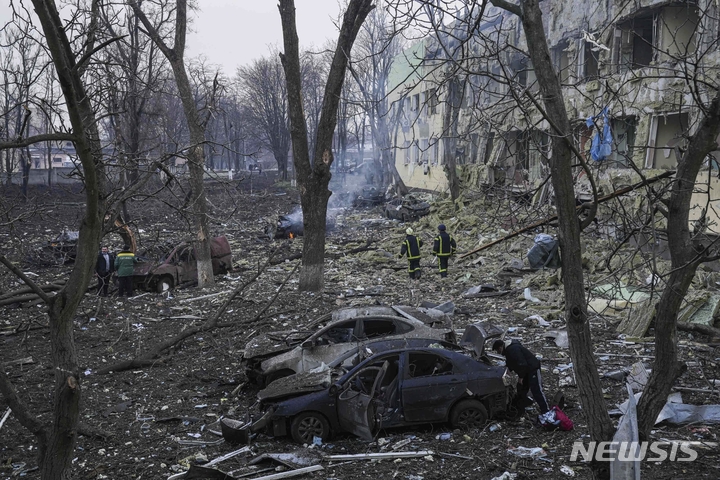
pixel 685 257
pixel 313 179
pixel 196 154
pixel 581 347
pixel 59 443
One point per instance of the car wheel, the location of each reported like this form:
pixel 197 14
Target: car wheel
pixel 164 284
pixel 272 376
pixel 308 425
pixel 468 414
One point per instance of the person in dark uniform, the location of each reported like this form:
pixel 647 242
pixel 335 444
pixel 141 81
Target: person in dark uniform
pixel 444 247
pixel 411 248
pixel 104 268
pixel 527 366
pixel 125 266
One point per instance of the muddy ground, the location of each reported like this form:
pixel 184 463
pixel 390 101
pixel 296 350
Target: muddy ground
pixel 157 419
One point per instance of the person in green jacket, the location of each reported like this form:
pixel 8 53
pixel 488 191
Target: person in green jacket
pixel 125 267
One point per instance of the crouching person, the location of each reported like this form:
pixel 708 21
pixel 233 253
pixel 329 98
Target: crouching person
pixel 522 361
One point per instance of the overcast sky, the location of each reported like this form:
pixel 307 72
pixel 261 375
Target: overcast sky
pixel 234 32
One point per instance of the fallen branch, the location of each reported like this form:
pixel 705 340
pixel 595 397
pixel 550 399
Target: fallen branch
pixel 694 327
pixel 39 291
pixel 579 208
pixel 19 361
pixel 148 358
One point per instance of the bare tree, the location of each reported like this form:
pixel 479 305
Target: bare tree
pixel 56 438
pixel 264 95
pixel 375 52
pixel 314 176
pixel 196 126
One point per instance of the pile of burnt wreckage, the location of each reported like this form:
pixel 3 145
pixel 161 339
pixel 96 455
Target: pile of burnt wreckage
pixel 360 369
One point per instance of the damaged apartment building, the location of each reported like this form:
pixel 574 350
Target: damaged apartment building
pixel 621 64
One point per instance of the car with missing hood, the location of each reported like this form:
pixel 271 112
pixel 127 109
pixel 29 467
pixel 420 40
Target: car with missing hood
pixel 180 266
pixel 279 354
pixel 406 208
pixel 397 388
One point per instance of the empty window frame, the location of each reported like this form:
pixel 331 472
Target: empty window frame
pixel 423 150
pixel 432 101
pixel 590 61
pixel 561 61
pixel 636 40
pixel 667 133
pixel 677 29
pixel 623 132
pixel 415 102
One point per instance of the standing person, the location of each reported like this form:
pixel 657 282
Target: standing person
pixel 124 264
pixel 527 366
pixel 104 268
pixel 411 248
pixel 443 247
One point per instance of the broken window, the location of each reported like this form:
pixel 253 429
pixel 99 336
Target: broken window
pixel 423 150
pixel 667 140
pixel 427 364
pixel 590 63
pixel 489 146
pixel 474 147
pixel 668 30
pixel 561 61
pixel 678 27
pixel 432 100
pixel 378 328
pixel 406 152
pixel 623 131
pixel 635 41
pixel 340 333
pixel 415 102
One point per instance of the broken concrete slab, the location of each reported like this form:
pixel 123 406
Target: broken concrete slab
pixel 620 292
pixel 638 319
pixel 704 313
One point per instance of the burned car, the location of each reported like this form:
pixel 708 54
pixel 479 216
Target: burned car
pixel 279 354
pixel 369 197
pixel 406 208
pixel 180 266
pixel 291 226
pixel 394 389
pixel 64 246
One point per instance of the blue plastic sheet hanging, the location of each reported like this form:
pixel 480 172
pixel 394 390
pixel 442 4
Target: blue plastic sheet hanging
pixel 601 146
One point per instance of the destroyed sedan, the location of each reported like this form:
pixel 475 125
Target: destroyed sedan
pixel 406 209
pixel 394 389
pixel 279 354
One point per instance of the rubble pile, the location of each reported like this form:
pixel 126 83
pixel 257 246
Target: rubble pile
pixel 163 420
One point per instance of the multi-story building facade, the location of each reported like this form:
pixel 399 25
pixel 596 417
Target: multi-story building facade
pixel 640 60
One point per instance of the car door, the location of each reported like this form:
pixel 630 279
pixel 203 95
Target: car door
pixel 355 406
pixel 431 384
pixel 329 343
pixel 187 265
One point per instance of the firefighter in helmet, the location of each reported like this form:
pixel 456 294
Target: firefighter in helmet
pixel 443 247
pixel 411 247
